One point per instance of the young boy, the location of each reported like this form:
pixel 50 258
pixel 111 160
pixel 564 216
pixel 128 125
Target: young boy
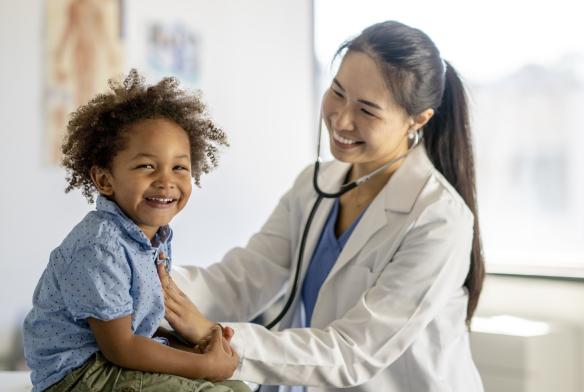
pixel 98 305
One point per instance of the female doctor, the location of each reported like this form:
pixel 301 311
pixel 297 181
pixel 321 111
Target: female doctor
pixel 392 270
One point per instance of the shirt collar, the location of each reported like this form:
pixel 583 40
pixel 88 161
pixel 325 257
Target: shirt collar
pixel 164 232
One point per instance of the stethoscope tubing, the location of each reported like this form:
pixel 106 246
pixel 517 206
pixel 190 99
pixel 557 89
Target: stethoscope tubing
pixel 321 195
pixel 299 265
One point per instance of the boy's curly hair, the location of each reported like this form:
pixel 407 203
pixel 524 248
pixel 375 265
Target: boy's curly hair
pixel 95 132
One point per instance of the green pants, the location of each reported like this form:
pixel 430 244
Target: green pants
pixel 99 374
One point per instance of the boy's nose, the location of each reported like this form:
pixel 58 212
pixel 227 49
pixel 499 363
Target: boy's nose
pixel 165 180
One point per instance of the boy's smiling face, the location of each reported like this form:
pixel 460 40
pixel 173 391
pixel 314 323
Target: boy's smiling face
pixel 151 178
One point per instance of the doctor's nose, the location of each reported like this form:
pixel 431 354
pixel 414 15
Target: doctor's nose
pixel 343 120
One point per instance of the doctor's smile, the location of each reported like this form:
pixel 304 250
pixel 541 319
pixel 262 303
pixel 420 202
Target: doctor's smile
pixel 344 142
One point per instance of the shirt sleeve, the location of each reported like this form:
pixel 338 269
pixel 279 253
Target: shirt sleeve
pixel 97 284
pixel 161 340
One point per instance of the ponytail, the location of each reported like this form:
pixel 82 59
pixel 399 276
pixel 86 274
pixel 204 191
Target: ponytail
pixel 418 79
pixel 448 142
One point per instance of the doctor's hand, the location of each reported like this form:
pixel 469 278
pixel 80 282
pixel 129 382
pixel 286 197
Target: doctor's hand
pixel 180 312
pixel 222 358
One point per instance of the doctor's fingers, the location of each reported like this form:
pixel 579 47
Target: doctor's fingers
pixel 176 294
pixel 203 343
pixel 171 316
pixel 228 333
pixel 206 342
pixel 227 347
pixel 162 275
pixel 178 290
pixel 175 302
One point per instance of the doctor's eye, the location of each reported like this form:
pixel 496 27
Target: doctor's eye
pixel 337 93
pixel 366 112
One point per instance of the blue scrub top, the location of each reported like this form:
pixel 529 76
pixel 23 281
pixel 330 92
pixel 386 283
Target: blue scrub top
pixel 325 256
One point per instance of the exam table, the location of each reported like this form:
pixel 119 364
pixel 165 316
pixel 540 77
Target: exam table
pixel 15 382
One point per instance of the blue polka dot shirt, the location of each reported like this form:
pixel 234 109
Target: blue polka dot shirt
pixel 105 268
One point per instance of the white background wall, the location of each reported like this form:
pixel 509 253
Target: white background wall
pixel 257 80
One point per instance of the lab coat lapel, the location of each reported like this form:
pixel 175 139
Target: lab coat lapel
pixel 373 220
pixel 330 180
pixel 403 188
pixel 398 195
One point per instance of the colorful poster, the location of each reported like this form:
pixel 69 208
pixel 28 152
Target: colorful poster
pixel 174 49
pixel 84 50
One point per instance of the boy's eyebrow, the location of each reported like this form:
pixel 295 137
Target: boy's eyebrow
pixel 374 105
pixel 145 155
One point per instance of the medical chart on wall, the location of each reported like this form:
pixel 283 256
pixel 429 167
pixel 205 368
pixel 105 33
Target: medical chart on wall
pixel 83 49
pixel 174 49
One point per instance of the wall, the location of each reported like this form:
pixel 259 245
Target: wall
pixel 258 71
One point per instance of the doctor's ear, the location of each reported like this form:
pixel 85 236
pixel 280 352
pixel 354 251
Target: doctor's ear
pixel 102 180
pixel 421 119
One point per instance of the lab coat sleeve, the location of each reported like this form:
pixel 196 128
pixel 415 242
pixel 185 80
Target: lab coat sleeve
pixel 429 267
pixel 248 280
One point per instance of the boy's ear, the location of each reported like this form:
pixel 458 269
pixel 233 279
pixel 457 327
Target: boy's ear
pixel 101 179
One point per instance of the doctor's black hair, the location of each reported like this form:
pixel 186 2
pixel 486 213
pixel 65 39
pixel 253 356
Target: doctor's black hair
pixel 418 79
pixel 97 131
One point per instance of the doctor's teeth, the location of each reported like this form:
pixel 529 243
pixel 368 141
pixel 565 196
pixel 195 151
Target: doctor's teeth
pixel 342 139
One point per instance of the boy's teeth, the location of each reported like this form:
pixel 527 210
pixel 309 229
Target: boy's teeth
pixel 342 139
pixel 158 199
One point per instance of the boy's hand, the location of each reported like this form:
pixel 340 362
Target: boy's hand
pixel 203 343
pixel 222 358
pixel 180 312
pixel 122 347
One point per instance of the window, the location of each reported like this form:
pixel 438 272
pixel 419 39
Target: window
pixel 524 69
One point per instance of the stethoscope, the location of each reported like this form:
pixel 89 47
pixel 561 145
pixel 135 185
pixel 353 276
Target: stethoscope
pixel 321 195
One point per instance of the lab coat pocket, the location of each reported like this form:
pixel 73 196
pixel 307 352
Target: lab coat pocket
pixel 355 282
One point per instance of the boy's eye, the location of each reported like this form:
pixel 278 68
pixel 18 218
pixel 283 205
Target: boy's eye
pixel 180 168
pixel 146 166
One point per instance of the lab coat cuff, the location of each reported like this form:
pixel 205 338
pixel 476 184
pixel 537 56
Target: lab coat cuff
pixel 238 344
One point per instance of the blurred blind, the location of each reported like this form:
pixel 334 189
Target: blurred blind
pixel 524 68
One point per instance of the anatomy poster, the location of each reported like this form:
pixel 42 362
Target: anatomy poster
pixel 83 51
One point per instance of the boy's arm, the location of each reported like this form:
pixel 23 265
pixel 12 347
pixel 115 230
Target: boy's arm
pixel 125 349
pixel 173 341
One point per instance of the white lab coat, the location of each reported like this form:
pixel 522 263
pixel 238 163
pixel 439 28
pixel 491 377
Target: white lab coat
pixel 391 314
